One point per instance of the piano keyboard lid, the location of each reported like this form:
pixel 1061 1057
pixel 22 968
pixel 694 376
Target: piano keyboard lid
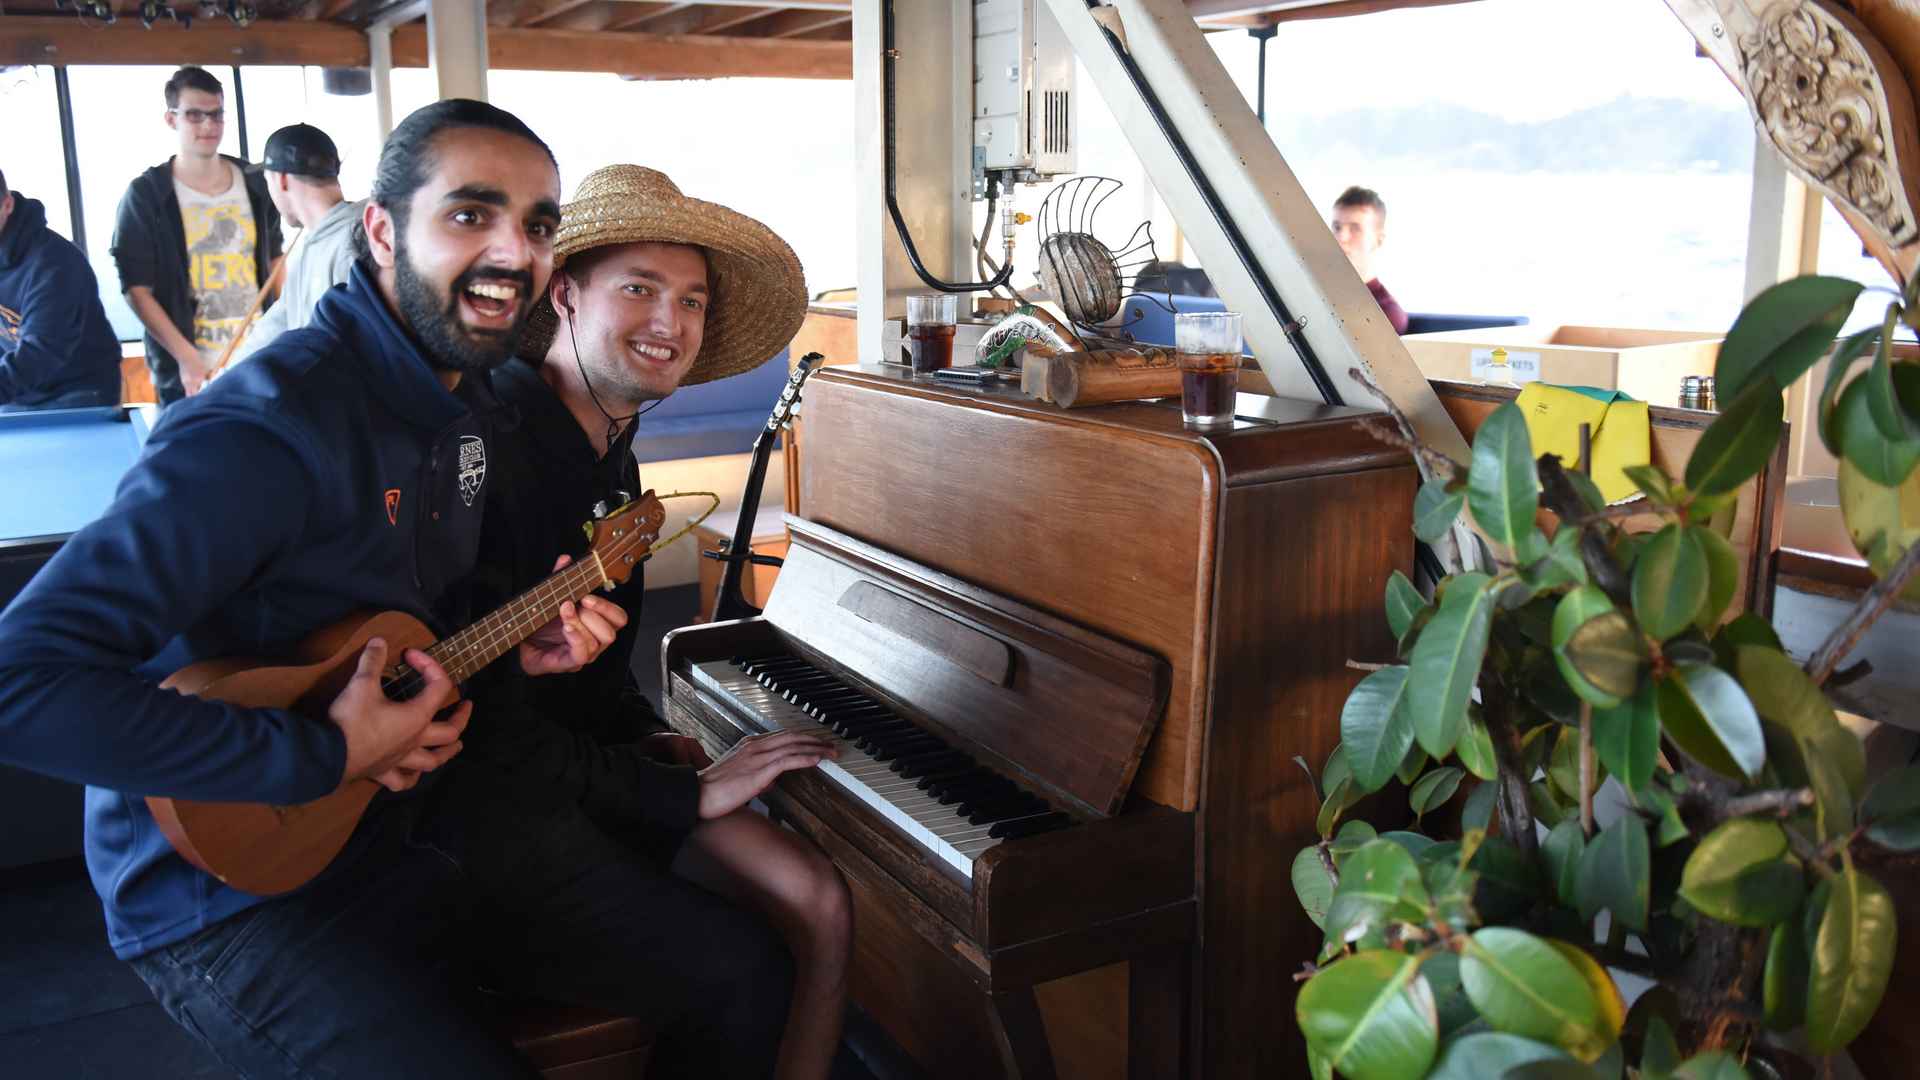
pixel 1066 707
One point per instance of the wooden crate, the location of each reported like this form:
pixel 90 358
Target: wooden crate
pixel 1646 364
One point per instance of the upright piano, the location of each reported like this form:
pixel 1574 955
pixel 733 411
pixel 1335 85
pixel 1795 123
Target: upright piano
pixel 1069 658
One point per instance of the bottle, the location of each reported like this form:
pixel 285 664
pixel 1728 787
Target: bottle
pixel 1696 392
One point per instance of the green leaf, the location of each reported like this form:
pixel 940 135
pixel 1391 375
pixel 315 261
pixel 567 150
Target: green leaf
pixel 1783 331
pixel 1740 442
pixel 1892 810
pixel 1563 768
pixel 1352 836
pixel 1713 1065
pixel 1490 1055
pixel 1403 603
pixel 1825 755
pixel 1854 347
pixel 1749 629
pixel 1433 790
pixel 1412 843
pixel 1342 796
pixel 1509 880
pixel 1653 481
pixel 1559 1070
pixel 1627 739
pixel 1707 714
pixel 1475 751
pixel 1852 957
pixel 1371 1016
pixel 1312 884
pixel 1335 770
pixel 1606 996
pixel 1614 873
pixel 1524 986
pixel 1375 729
pixel 1784 989
pixel 1318 1067
pixel 1560 566
pixel 1669 828
pixel 1883 401
pixel 1434 510
pixel 1562 850
pixel 1477 812
pixel 1442 972
pixel 1503 486
pixel 1670 582
pixel 1608 655
pixel 1723 576
pixel 1588 491
pixel 1446 662
pixel 1880 459
pixel 1743 874
pixel 1575 610
pixel 1412 765
pixel 1659 1052
pixel 1380 883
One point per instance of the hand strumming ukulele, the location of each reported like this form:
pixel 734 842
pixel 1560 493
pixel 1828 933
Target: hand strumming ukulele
pixel 264 849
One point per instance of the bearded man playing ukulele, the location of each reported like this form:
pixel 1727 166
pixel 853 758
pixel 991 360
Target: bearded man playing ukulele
pixel 344 470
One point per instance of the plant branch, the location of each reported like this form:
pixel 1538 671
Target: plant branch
pixel 1516 817
pixel 1558 495
pixel 1438 465
pixel 1871 606
pixel 1626 961
pixel 1782 803
pixel 1616 513
pixel 1813 856
pixel 1362 665
pixel 1433 462
pixel 1326 863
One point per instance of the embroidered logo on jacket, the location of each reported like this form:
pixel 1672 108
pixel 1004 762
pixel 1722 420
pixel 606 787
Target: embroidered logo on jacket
pixel 393 506
pixel 473 467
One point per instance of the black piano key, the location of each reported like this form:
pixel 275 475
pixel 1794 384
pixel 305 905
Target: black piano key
pixel 788 665
pixel 933 779
pixel 1001 808
pixel 910 766
pixel 963 791
pixel 842 697
pixel 889 751
pixel 1028 826
pixel 779 682
pixel 856 714
pixel 870 733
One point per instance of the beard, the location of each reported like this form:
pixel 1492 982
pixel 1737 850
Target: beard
pixel 435 318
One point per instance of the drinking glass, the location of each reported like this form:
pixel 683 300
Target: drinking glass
pixel 1207 348
pixel 930 327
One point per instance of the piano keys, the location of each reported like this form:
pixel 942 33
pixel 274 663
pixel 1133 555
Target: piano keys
pixel 1120 633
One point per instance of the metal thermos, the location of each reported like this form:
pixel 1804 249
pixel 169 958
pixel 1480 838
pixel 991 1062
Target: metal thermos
pixel 1696 392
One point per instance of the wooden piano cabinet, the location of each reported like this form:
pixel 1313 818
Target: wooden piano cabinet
pixel 1252 563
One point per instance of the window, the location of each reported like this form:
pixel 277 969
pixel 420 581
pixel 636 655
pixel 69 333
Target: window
pixel 279 96
pixel 779 150
pixel 120 130
pixel 35 164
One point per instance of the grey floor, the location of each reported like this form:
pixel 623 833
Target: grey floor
pixel 69 1010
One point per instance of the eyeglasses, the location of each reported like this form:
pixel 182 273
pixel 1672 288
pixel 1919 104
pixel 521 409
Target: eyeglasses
pixel 201 116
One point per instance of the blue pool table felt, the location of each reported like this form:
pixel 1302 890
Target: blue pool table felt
pixel 62 466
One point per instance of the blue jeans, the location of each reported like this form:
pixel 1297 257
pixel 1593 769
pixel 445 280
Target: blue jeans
pixel 373 971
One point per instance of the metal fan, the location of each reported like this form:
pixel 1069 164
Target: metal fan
pixel 1089 278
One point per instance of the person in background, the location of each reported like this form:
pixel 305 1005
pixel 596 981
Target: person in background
pixel 302 168
pixel 1360 225
pixel 56 349
pixel 652 291
pixel 194 238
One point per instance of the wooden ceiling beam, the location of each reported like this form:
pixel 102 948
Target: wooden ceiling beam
pixel 595 15
pixel 788 24
pixel 708 19
pixel 62 40
pixel 334 9
pixel 541 11
pixel 1267 12
pixel 632 16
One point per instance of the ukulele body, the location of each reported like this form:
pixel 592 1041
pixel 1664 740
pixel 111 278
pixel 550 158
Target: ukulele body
pixel 259 848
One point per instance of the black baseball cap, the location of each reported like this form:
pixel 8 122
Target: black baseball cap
pixel 300 150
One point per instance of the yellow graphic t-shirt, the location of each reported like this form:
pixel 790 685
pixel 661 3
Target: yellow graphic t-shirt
pixel 220 248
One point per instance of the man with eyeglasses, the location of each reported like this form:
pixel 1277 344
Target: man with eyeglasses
pixel 195 237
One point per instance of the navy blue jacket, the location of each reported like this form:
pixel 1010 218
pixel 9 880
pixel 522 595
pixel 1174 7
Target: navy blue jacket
pixel 332 473
pixel 56 348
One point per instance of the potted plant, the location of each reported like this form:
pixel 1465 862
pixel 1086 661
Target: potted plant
pixel 1730 863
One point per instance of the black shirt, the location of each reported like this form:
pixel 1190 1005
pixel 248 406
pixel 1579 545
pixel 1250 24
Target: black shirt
pixel 577 730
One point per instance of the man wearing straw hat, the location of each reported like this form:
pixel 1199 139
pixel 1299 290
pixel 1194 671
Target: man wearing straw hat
pixel 653 291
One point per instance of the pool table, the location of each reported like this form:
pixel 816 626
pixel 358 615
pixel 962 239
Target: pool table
pixel 58 470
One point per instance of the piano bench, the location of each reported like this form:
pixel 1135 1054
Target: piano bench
pixel 567 1042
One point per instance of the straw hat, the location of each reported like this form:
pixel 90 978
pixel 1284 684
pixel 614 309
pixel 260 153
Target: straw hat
pixel 759 292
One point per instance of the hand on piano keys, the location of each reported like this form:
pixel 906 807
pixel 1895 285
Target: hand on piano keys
pixel 936 793
pixel 745 770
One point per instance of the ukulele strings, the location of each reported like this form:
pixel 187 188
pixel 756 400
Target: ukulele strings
pixel 497 628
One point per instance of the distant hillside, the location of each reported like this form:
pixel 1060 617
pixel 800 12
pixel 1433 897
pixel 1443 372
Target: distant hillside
pixel 1628 134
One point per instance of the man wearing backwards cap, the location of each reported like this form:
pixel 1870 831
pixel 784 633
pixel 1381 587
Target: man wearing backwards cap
pixel 303 179
pixel 657 290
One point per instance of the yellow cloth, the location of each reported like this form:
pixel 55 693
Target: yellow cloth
pixel 1621 432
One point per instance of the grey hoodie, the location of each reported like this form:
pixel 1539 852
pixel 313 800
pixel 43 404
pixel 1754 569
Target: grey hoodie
pixel 319 260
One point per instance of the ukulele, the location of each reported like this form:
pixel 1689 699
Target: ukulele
pixel 266 850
